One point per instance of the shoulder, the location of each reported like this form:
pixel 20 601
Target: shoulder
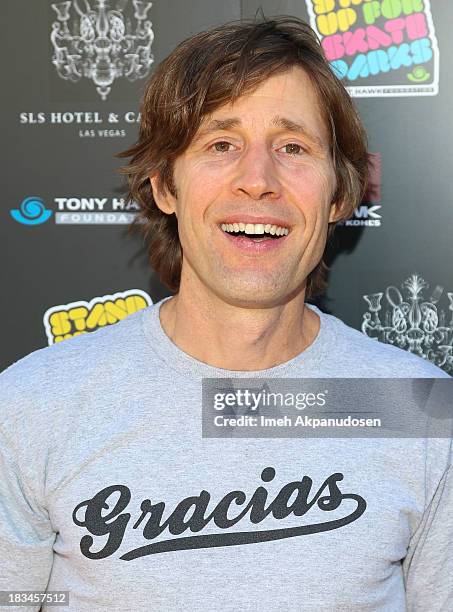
pixel 360 355
pixel 61 366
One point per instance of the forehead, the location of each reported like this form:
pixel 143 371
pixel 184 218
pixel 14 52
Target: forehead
pixel 289 94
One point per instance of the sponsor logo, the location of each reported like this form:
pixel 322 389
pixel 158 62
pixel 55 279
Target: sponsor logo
pixel 94 211
pixel 379 47
pixel 413 322
pixel 368 213
pixel 89 124
pixel 69 320
pixel 32 211
pixel 100 43
pixel 77 211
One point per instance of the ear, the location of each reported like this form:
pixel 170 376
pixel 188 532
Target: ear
pixel 335 212
pixel 165 201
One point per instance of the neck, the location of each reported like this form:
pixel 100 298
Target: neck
pixel 237 338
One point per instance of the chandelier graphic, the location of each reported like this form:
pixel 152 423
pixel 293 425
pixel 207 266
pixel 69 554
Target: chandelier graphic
pixel 102 45
pixel 415 324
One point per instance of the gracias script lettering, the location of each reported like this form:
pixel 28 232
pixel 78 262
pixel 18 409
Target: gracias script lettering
pixel 191 514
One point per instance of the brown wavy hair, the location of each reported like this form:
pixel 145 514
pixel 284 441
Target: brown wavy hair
pixel 209 70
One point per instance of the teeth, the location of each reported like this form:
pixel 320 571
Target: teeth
pixel 255 228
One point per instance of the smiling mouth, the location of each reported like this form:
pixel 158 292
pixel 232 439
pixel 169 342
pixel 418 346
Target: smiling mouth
pixel 256 232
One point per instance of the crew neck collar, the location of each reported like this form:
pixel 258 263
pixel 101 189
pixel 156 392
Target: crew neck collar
pixel 179 360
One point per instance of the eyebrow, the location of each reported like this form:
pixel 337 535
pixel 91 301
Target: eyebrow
pixel 216 125
pixel 297 128
pixel 281 122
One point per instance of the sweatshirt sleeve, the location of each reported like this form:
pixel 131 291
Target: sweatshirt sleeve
pixel 26 535
pixel 428 566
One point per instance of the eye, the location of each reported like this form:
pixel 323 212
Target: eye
pixel 222 146
pixel 292 148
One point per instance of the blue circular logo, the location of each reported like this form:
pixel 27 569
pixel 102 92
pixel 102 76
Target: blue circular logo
pixel 32 211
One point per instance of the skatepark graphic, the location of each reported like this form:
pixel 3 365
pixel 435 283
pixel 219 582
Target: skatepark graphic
pixel 379 48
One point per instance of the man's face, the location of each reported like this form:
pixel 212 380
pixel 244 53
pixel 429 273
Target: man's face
pixel 263 161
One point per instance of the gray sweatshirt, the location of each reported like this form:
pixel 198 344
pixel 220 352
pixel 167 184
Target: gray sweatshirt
pixel 109 491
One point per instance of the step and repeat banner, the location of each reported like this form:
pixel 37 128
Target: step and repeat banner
pixel 74 73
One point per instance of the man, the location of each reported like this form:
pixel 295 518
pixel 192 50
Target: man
pixel 249 152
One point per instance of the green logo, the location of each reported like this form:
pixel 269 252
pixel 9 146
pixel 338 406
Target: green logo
pixel 418 75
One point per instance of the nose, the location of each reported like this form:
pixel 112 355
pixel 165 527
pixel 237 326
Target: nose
pixel 256 174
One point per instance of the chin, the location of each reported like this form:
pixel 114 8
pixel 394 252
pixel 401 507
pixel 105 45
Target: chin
pixel 254 295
